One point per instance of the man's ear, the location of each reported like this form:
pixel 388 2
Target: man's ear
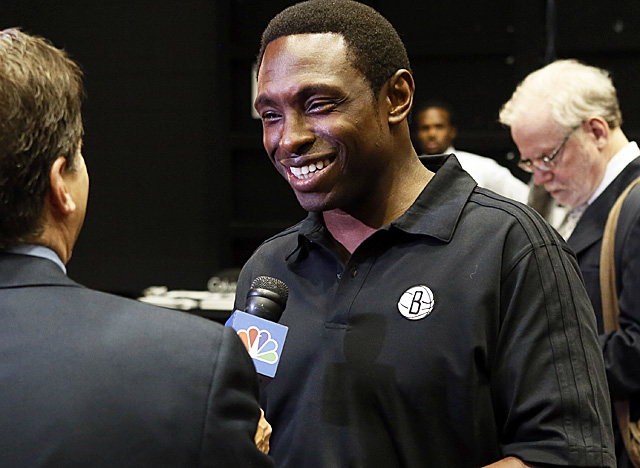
pixel 400 89
pixel 453 133
pixel 599 130
pixel 59 196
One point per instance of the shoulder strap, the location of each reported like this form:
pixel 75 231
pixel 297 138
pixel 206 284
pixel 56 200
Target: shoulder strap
pixel 608 290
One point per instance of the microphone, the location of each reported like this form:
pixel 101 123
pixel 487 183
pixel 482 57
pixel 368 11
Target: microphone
pixel 257 325
pixel 267 298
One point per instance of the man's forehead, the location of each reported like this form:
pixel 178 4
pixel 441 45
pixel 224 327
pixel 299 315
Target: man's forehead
pixel 435 113
pixel 306 49
pixel 304 61
pixel 536 118
pixel 536 134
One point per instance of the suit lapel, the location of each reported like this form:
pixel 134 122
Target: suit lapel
pixel 590 228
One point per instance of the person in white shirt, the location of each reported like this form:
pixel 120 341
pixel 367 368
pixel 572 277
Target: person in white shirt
pixel 566 121
pixel 435 131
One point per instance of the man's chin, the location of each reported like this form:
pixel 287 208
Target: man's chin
pixel 559 198
pixel 314 202
pixel 562 198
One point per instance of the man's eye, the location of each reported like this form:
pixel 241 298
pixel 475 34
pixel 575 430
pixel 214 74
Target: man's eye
pixel 269 116
pixel 320 106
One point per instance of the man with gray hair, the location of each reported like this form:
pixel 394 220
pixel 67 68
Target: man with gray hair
pixel 565 120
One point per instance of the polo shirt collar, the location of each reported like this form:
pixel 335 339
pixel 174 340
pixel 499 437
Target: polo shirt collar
pixel 438 208
pixel 435 212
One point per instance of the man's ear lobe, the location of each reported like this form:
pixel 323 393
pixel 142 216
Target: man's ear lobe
pixel 59 196
pixel 400 89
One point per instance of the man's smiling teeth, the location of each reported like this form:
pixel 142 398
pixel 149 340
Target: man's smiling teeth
pixel 305 172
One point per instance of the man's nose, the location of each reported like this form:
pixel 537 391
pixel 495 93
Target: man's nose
pixel 297 136
pixel 541 177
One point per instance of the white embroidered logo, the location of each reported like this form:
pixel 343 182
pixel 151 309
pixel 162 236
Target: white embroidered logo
pixel 416 302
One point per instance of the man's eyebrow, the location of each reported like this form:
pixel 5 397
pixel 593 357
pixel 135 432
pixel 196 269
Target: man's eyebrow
pixel 317 88
pixel 263 101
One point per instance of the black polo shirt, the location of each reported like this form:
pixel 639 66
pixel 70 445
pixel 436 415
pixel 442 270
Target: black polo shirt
pixel 455 336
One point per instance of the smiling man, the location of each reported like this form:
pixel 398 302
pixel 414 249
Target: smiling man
pixel 565 120
pixel 429 319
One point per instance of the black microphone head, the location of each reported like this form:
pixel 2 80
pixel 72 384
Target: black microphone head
pixel 272 284
pixel 267 298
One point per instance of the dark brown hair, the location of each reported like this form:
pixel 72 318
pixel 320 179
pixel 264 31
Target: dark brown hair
pixel 40 120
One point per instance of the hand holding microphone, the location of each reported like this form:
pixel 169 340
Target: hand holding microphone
pixel 263 433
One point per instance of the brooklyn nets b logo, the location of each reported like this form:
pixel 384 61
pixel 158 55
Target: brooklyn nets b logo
pixel 416 302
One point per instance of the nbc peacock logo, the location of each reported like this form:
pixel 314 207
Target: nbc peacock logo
pixel 259 344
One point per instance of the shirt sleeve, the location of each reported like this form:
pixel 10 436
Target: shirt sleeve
pixel 233 410
pixel 549 383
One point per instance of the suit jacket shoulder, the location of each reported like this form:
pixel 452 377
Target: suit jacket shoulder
pixel 99 380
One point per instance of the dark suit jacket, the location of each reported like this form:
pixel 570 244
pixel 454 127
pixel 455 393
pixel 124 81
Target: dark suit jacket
pixel 621 349
pixel 88 379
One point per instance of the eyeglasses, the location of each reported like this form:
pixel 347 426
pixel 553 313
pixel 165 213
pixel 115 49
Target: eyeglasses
pixel 546 163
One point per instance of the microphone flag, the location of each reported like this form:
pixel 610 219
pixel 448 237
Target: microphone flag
pixel 263 339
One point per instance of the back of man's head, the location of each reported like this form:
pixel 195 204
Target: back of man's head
pixel 375 47
pixel 573 91
pixel 40 120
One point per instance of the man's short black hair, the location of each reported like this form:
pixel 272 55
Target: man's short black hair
pixel 374 46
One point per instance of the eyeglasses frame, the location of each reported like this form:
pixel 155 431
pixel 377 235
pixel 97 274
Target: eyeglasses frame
pixel 546 163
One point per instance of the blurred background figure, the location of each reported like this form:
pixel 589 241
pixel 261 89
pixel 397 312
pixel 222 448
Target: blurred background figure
pixel 435 130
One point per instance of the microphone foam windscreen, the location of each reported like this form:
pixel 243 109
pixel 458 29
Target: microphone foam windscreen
pixel 271 284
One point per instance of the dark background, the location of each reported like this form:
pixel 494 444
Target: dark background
pixel 180 185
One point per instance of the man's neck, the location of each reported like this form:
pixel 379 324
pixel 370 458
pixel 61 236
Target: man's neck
pixel 53 239
pixel 350 232
pixel 617 141
pixel 351 229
